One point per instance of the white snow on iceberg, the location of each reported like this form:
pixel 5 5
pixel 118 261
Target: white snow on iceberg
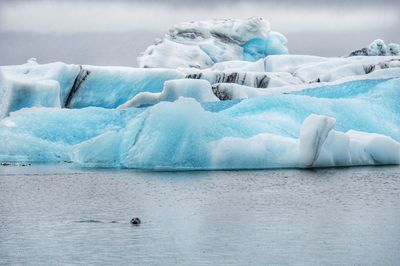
pixel 378 48
pixel 201 44
pixel 172 91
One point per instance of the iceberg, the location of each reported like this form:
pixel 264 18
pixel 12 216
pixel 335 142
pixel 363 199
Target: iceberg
pixel 296 129
pixel 221 94
pixel 201 44
pixel 182 135
pixel 378 48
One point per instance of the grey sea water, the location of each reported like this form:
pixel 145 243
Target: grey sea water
pixel 62 215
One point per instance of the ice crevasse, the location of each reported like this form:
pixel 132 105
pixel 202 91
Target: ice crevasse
pixel 267 111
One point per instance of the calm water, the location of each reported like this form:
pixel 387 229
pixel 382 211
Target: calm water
pixel 286 217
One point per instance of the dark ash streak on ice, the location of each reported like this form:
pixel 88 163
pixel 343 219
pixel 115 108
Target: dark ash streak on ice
pixel 259 80
pixel 80 78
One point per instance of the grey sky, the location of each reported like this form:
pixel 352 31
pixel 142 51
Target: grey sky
pixel 114 32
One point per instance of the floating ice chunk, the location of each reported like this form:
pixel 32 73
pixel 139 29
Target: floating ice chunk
pixel 203 43
pixel 200 132
pixel 182 135
pixel 173 89
pixel 17 94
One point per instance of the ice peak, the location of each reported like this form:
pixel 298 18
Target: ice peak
pixel 200 44
pixel 378 48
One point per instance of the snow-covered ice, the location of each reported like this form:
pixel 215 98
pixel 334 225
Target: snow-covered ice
pixel 219 94
pixel 201 44
pixel 378 48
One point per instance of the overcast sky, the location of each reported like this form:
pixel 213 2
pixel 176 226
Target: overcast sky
pixel 114 32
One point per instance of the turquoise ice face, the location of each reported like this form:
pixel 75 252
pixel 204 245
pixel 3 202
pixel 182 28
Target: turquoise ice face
pixel 258 48
pixel 276 44
pixel 254 49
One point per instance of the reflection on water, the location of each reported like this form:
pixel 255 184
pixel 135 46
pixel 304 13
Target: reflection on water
pixel 55 215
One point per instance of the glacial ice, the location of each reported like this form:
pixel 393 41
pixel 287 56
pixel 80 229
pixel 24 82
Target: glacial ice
pixel 16 94
pixel 173 89
pixel 219 94
pixel 47 134
pixel 110 87
pixel 201 44
pixel 378 48
pixel 313 134
pixel 84 86
pixel 64 74
pixel 277 130
pixel 182 135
